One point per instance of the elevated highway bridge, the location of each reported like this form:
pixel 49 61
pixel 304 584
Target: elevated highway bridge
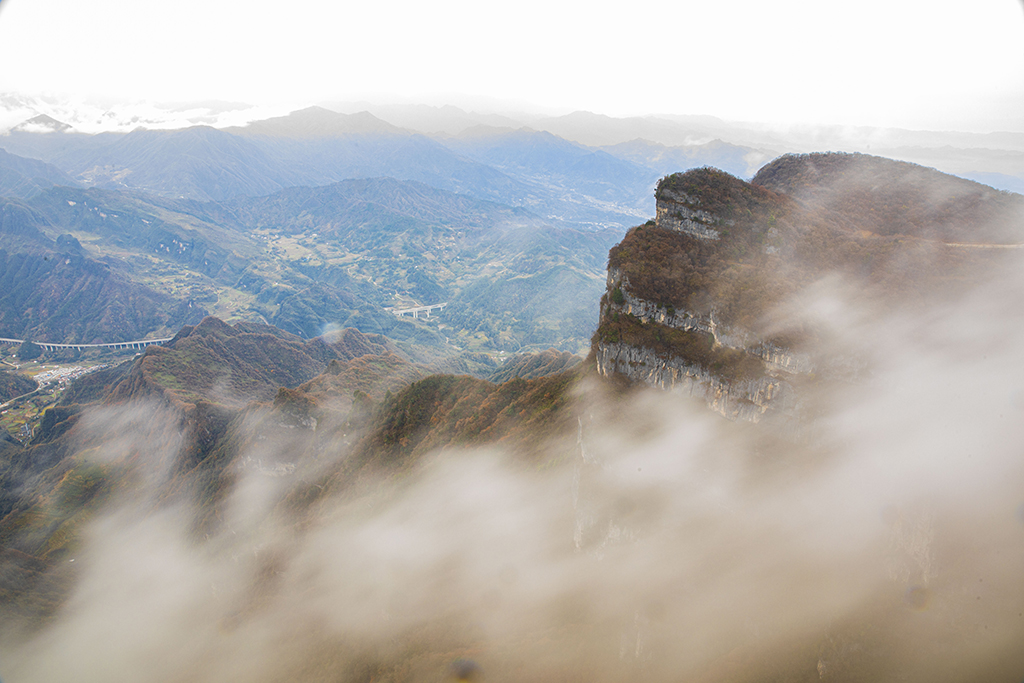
pixel 47 346
pixel 419 311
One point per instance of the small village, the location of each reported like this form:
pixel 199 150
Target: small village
pixel 20 415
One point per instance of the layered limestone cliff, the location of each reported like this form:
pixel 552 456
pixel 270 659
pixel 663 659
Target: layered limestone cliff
pixel 680 325
pixel 750 400
pixel 678 211
pixel 747 399
pixel 701 299
pixel 648 311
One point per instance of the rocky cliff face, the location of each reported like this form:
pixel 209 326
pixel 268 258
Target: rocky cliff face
pixel 749 399
pixel 679 211
pixel 775 357
pixel 693 297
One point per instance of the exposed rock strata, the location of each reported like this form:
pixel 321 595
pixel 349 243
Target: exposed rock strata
pixel 676 211
pixel 775 357
pixel 749 400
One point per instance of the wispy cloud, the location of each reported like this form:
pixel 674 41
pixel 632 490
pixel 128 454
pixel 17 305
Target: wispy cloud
pixel 883 539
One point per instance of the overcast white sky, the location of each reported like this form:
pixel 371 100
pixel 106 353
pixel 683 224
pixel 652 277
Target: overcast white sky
pixel 933 64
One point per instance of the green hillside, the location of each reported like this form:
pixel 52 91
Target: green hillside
pixel 792 455
pixel 309 260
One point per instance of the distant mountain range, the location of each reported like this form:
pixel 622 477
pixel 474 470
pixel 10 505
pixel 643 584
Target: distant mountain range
pixel 319 219
pixel 306 259
pixel 964 154
pixel 315 146
pixel 328 499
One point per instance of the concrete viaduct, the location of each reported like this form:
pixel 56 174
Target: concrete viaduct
pixel 418 310
pixel 46 346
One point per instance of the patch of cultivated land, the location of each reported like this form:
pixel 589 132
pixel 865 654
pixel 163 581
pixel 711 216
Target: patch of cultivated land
pixel 20 416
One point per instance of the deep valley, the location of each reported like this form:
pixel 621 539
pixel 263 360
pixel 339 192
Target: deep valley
pixel 712 424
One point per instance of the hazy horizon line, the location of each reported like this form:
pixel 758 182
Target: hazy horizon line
pixel 519 112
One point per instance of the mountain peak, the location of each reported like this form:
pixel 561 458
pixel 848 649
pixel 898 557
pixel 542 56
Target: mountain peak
pixel 42 124
pixel 318 122
pixel 890 197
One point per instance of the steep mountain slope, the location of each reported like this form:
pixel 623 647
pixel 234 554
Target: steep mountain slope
pixel 694 298
pixel 246 501
pixel 200 163
pixel 562 165
pixel 25 178
pixel 887 197
pixel 367 377
pixel 63 297
pixel 325 158
pixel 21 227
pixel 233 365
pixel 127 225
pixel 215 407
pixel 192 400
pixel 534 365
pixel 448 411
pixel 14 384
pixel 50 290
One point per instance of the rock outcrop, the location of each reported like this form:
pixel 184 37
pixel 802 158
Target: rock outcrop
pixel 693 298
pixel 749 399
pixel 678 211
